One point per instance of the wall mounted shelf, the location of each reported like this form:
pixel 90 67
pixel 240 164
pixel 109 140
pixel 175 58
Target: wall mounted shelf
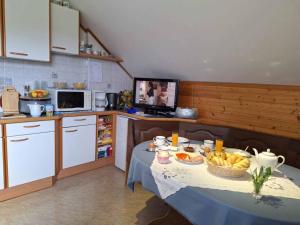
pixel 105 58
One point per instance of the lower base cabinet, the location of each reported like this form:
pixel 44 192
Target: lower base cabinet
pixel 79 145
pixel 1 166
pixel 30 158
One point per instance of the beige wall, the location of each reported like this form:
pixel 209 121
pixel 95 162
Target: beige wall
pixel 248 41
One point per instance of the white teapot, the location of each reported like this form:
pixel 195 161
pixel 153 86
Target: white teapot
pixel 268 159
pixel 36 109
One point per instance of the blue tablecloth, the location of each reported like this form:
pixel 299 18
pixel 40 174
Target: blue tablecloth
pixel 202 206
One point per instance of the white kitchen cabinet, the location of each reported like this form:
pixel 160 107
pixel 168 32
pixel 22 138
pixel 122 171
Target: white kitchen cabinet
pixel 1 30
pixel 27 29
pixel 15 129
pixel 64 29
pixel 78 121
pixel 30 157
pixel 79 145
pixel 121 142
pixel 1 166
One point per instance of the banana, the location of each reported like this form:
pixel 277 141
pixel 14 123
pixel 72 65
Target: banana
pixel 228 160
pixel 245 163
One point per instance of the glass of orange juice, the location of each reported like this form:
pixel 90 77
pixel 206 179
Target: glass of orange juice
pixel 219 145
pixel 174 138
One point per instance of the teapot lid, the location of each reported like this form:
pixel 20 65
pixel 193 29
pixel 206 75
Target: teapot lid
pixel 268 153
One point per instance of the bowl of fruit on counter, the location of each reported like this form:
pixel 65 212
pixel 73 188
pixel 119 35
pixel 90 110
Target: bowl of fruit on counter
pixel 227 164
pixel 38 94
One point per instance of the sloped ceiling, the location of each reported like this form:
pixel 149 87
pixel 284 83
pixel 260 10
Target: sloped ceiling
pixel 251 41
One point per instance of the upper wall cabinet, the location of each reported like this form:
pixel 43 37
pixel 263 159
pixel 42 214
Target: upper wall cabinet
pixel 1 28
pixel 64 29
pixel 27 29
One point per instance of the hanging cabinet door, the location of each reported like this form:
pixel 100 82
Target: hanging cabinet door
pixel 27 29
pixel 64 29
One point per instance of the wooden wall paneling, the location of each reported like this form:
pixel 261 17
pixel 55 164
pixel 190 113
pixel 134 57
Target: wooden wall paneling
pixel 272 109
pixel 186 95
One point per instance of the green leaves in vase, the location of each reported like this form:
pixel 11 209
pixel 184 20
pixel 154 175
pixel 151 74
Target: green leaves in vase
pixel 259 177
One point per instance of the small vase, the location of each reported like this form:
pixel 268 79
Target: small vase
pixel 257 196
pixel 256 192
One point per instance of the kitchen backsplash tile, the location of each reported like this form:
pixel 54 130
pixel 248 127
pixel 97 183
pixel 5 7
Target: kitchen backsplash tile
pixel 67 68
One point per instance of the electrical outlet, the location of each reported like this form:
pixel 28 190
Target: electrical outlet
pixel 54 75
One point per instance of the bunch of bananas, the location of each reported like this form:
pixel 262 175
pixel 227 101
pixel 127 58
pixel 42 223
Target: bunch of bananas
pixel 226 159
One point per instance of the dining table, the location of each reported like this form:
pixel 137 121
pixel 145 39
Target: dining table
pixel 214 204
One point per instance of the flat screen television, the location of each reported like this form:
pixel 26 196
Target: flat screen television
pixel 155 95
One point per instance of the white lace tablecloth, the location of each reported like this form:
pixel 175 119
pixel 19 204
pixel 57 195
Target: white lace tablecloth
pixel 170 178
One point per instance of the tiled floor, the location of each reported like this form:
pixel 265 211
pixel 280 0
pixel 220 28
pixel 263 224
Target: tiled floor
pixel 97 197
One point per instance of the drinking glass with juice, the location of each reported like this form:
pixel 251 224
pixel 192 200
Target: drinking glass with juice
pixel 219 145
pixel 174 138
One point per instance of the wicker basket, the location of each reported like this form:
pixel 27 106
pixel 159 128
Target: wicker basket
pixel 223 171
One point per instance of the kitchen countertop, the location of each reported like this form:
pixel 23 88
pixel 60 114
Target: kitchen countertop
pixel 58 116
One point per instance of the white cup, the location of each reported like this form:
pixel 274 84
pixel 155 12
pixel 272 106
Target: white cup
pixel 159 140
pixel 209 144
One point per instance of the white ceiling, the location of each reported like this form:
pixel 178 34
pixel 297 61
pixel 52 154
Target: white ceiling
pixel 252 41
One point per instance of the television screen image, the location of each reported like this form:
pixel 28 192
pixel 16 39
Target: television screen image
pixel 156 93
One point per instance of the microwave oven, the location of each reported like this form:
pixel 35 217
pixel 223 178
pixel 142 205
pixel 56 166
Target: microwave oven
pixel 66 100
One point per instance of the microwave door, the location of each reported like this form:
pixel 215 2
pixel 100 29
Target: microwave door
pixel 70 100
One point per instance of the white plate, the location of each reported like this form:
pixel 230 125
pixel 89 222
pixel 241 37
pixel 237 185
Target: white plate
pixel 167 148
pixel 238 151
pixel 203 147
pixel 181 140
pixel 162 148
pixel 154 142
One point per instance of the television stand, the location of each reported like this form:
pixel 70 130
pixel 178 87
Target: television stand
pixel 156 113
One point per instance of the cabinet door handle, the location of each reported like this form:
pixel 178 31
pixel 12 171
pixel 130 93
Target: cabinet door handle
pixel 19 53
pixel 20 140
pixel 32 126
pixel 57 47
pixel 79 119
pixel 71 131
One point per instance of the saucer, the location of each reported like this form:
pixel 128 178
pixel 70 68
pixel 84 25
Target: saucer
pixel 154 142
pixel 181 140
pixel 150 150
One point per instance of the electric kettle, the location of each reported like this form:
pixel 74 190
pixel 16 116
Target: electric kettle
pixel 112 101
